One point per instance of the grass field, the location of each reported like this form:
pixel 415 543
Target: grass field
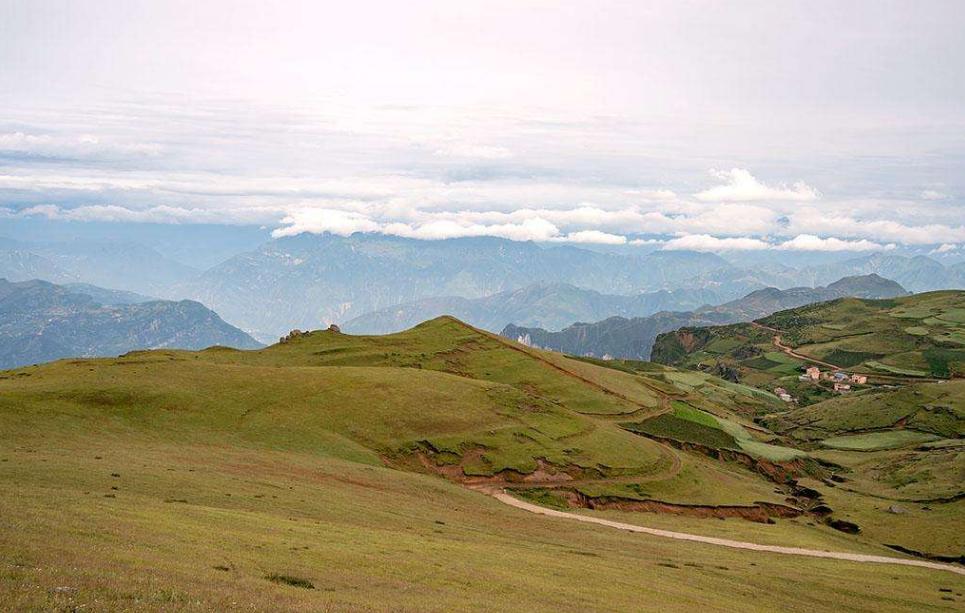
pixel 876 441
pixel 203 528
pixel 935 408
pixel 305 477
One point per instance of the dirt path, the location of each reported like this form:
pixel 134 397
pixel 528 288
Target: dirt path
pixel 505 498
pixel 790 351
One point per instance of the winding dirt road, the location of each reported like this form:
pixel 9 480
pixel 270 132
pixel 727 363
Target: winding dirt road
pixel 505 498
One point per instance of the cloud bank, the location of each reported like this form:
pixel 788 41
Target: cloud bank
pixel 434 175
pixel 741 186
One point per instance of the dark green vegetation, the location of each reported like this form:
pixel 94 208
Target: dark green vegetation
pixel 40 321
pixel 236 479
pixel 633 338
pixel 685 431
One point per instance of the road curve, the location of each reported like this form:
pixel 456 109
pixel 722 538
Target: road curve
pixel 505 498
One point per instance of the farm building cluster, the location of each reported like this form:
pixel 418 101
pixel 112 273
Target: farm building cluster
pixel 842 380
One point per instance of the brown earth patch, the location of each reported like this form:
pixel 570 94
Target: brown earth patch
pixel 545 473
pixel 760 512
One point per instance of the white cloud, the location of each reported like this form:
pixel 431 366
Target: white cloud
pixel 595 236
pixel 930 194
pixel 809 242
pixel 318 221
pixel 653 194
pixel 802 242
pixel 344 223
pixel 473 151
pixel 82 145
pixel 813 221
pixel 945 248
pixel 706 242
pixel 156 214
pixel 528 230
pixel 741 186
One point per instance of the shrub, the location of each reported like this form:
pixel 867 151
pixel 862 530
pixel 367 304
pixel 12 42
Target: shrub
pixel 291 580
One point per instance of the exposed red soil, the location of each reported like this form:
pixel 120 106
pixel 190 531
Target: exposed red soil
pixel 760 512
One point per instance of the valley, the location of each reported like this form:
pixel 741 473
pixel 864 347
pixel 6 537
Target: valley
pixel 476 306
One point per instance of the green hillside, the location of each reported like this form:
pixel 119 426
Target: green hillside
pixel 328 472
pixel 896 437
pixel 919 336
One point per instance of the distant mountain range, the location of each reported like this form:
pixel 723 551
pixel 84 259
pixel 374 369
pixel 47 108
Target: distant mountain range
pixel 633 338
pixel 544 305
pixel 377 283
pixel 125 265
pixel 308 281
pixel 916 274
pixel 40 322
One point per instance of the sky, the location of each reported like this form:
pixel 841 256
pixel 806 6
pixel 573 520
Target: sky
pixel 746 126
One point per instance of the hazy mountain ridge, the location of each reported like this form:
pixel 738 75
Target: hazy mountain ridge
pixel 620 337
pixel 308 281
pixel 917 274
pixel 108 297
pixel 128 266
pixel 19 265
pixel 40 321
pixel 543 305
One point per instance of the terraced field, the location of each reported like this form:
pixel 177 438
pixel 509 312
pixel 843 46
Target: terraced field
pixel 895 340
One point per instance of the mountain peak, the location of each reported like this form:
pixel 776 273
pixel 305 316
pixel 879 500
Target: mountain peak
pixel 871 285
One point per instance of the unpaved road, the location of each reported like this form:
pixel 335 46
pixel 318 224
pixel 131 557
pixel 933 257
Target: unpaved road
pixel 505 498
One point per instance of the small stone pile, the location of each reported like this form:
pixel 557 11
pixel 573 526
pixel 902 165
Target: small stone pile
pixel 292 335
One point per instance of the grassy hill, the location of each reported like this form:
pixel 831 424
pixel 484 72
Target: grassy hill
pixel 327 472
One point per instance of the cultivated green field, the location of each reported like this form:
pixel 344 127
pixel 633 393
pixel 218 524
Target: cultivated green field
pixel 918 336
pixel 876 441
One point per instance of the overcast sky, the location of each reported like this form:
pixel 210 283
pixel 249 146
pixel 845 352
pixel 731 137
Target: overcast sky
pixel 707 125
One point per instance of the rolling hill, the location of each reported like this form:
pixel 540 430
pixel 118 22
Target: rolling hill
pixel 633 338
pixel 331 470
pixel 40 321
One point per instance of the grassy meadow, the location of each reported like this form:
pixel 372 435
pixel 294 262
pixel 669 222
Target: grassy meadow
pixel 323 473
